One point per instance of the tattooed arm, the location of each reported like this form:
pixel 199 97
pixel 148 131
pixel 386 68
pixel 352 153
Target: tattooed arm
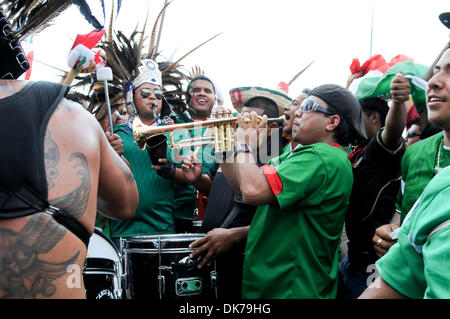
pixel 94 159
pixel 117 194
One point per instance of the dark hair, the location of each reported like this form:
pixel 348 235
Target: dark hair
pixel 269 107
pixel 344 133
pixel 200 77
pixel 375 104
pixel 77 97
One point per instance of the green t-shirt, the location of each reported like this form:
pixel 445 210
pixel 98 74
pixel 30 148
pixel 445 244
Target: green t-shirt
pixel 292 249
pixel 418 167
pixel 155 212
pixel 415 267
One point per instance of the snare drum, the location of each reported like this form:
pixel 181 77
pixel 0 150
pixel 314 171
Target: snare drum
pixel 102 270
pixel 158 267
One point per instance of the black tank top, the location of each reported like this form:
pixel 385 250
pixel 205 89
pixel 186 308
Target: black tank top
pixel 23 121
pixel 24 118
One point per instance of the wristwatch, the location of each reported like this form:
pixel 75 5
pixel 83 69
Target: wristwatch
pixel 245 148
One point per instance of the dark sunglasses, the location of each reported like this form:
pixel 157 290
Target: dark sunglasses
pixel 309 105
pixel 145 93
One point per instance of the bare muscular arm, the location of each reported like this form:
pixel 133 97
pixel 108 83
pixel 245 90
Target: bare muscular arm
pixel 95 177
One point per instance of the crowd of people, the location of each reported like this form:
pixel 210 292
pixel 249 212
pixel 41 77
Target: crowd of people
pixel 271 210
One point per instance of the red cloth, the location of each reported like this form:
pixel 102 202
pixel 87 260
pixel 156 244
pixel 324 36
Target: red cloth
pixel 411 117
pixel 377 62
pixel 30 57
pixel 89 40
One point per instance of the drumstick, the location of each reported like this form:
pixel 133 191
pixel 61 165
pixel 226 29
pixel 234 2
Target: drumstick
pixel 69 78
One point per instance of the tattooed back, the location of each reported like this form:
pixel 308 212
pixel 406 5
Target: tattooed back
pixel 39 258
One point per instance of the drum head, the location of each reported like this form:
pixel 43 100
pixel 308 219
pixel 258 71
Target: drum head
pixel 101 246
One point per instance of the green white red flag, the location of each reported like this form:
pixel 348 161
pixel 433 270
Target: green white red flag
pixel 379 74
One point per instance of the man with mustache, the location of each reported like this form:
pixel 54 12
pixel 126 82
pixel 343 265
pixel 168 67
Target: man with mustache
pixel 301 195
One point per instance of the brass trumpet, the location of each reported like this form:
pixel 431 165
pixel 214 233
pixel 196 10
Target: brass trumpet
pixel 222 132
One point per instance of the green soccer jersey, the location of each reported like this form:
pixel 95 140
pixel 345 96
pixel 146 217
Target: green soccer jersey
pixel 292 249
pixel 419 165
pixel 414 266
pixel 155 213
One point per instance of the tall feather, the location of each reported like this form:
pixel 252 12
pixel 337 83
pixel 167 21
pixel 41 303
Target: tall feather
pixel 300 73
pixel 160 28
pixel 141 41
pixel 87 13
pixel 151 49
pixel 176 63
pixel 110 27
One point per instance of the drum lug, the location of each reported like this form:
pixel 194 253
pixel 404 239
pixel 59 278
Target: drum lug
pixel 213 279
pixel 123 281
pixel 161 285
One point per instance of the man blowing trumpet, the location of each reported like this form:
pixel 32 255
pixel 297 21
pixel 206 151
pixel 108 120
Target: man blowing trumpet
pixel 301 195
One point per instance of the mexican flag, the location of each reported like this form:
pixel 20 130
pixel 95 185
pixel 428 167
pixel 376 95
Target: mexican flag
pixel 378 76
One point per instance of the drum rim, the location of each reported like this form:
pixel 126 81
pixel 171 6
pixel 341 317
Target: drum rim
pixel 165 237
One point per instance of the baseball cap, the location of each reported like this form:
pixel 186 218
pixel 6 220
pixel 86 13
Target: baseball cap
pixel 445 19
pixel 344 103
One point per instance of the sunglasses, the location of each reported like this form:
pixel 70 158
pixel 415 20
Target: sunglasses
pixel 145 93
pixel 309 105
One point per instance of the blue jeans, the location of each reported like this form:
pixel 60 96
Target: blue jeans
pixel 352 279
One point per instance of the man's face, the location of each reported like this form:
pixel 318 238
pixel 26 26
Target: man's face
pixel 289 113
pixel 438 93
pixel 309 127
pixel 145 100
pixel 202 97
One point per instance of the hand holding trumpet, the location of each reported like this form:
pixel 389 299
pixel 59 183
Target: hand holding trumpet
pixel 252 130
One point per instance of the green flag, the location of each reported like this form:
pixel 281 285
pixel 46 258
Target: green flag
pixel 380 86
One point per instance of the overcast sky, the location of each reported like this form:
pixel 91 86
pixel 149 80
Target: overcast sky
pixel 264 42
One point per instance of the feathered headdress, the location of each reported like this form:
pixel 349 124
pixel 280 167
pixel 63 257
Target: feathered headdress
pixel 124 55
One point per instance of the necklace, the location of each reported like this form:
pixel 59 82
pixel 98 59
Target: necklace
pixel 437 158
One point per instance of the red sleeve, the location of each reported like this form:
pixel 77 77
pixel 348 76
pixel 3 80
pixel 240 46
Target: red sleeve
pixel 272 177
